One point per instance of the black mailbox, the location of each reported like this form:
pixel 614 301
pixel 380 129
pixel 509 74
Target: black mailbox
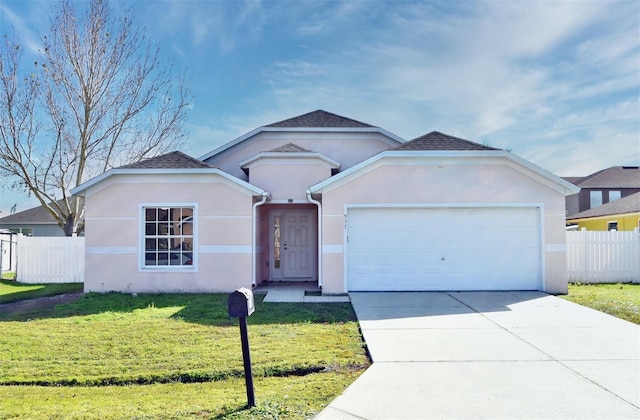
pixel 240 303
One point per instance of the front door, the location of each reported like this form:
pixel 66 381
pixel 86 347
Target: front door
pixel 293 245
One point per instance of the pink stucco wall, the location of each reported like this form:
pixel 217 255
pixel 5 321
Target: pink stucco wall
pixel 288 178
pixel 348 148
pixel 457 182
pixel 224 234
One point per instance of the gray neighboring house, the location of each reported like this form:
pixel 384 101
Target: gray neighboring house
pixel 36 221
pixel 602 187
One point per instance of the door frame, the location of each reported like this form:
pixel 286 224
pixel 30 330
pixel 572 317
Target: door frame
pixel 277 273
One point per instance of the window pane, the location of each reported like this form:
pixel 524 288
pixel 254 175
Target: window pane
pixel 150 258
pixel 150 214
pixel 276 242
pixel 163 258
pixel 614 195
pixel 163 228
pixel 168 236
pixel 150 229
pixel 595 199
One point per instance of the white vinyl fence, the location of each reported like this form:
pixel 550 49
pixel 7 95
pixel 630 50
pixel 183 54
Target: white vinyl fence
pixel 50 259
pixel 603 257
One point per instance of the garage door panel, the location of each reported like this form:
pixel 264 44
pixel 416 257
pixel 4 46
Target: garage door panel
pixel 443 249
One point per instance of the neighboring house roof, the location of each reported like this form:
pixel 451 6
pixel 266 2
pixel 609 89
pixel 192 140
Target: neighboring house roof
pixel 319 118
pixel 176 160
pixel 33 216
pixel 614 177
pixel 628 204
pixel 316 121
pixel 439 141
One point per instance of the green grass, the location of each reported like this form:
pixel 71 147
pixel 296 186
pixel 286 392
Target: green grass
pixel 116 355
pixel 619 300
pixel 11 291
pixel 8 275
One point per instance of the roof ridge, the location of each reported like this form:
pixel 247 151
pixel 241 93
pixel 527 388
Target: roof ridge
pixel 175 159
pixel 289 148
pixel 319 118
pixel 436 140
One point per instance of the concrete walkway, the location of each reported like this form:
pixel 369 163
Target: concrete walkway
pixel 296 292
pixel 495 355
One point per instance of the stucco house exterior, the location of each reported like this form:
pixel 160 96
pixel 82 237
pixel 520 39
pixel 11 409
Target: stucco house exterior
pixel 602 187
pixel 36 221
pixel 619 215
pixel 330 200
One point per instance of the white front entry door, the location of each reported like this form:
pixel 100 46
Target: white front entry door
pixel 294 245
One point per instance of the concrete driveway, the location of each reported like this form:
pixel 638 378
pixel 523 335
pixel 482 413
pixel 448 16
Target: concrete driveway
pixel 496 355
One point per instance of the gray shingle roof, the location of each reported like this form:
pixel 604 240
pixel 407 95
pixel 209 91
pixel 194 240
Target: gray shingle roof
pixel 628 204
pixel 614 177
pixel 290 148
pixel 319 118
pixel 439 141
pixel 35 215
pixel 173 160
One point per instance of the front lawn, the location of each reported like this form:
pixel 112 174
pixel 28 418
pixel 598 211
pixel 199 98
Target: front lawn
pixel 11 291
pixel 174 356
pixel 619 300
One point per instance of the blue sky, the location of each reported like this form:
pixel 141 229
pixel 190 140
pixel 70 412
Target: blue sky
pixel 557 83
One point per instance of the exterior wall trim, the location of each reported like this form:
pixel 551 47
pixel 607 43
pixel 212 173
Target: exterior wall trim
pixel 141 237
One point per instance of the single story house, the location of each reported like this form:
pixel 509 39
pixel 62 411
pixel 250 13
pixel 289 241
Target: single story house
pixel 621 215
pixel 36 221
pixel 327 199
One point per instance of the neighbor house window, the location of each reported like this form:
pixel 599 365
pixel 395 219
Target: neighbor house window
pixel 612 225
pixel 595 199
pixel 614 195
pixel 168 236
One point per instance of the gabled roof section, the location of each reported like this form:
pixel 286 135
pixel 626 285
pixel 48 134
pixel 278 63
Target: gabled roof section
pixel 289 151
pixel 319 118
pixel 290 148
pixel 628 204
pixel 313 122
pixel 613 177
pixel 436 140
pixel 173 160
pixel 484 156
pixel 171 163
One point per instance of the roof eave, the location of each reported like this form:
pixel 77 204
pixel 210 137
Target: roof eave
pixel 82 188
pixel 602 216
pixel 558 183
pixel 288 155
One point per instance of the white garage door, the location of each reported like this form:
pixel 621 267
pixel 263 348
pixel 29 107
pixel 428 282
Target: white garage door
pixel 454 248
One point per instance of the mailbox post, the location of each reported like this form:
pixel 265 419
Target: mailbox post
pixel 240 305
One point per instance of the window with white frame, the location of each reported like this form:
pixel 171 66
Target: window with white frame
pixel 595 199
pixel 614 195
pixel 168 236
pixel 612 225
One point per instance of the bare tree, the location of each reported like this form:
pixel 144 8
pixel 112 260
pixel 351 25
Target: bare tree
pixel 97 98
